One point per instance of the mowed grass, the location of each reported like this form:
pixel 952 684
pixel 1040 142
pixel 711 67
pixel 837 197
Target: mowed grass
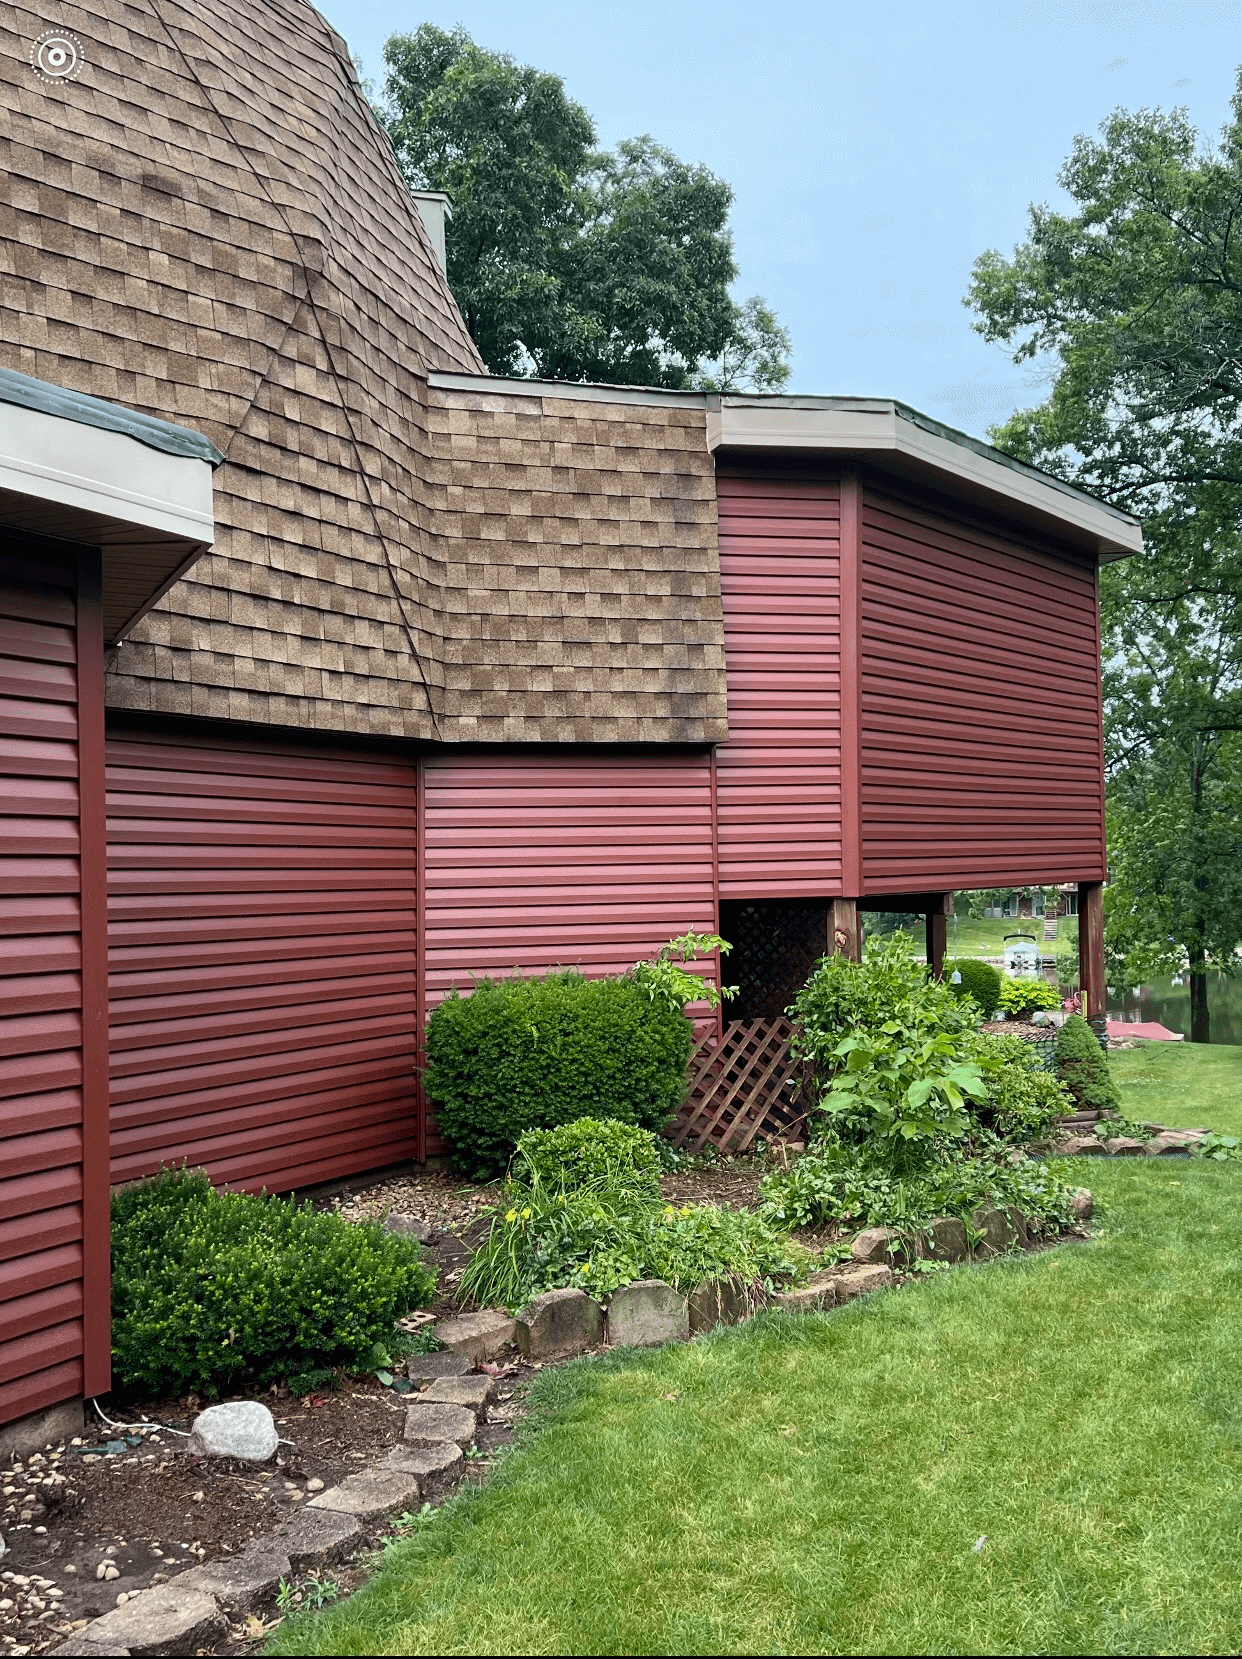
pixel 1186 1085
pixel 819 1484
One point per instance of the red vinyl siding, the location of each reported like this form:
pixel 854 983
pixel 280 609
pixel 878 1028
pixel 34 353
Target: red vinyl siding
pixel 262 953
pixel 779 774
pixel 536 861
pixel 41 1187
pixel 980 706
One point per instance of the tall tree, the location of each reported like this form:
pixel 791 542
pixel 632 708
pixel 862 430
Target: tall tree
pixel 566 261
pixel 1133 306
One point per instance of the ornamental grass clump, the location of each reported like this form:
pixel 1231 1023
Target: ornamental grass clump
pixel 214 1290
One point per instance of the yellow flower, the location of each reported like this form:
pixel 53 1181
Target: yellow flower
pixel 512 1216
pixel 526 1215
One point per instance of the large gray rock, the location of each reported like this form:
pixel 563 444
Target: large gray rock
pixel 1000 1229
pixel 437 1468
pixel 477 1336
pixel 945 1240
pixel 560 1322
pixel 820 1291
pixel 370 1494
pixel 316 1537
pixel 425 1368
pixel 79 1643
pixel 238 1428
pixel 164 1619
pixel 241 1584
pixel 428 1424
pixel 409 1226
pixel 472 1392
pixel 876 1244
pixel 647 1314
pixel 859 1279
pixel 722 1302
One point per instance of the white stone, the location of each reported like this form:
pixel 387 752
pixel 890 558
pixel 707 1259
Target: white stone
pixel 239 1428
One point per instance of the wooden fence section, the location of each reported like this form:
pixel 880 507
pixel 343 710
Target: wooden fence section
pixel 743 1085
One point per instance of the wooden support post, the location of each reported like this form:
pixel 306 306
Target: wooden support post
pixel 1091 949
pixel 844 933
pixel 937 940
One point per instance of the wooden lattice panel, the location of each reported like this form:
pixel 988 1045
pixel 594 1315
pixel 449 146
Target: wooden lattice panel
pixel 775 946
pixel 743 1085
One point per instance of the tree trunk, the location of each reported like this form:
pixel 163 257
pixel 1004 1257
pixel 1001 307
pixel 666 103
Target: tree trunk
pixel 1200 1020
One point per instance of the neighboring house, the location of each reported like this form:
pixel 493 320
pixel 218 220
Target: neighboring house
pixel 444 674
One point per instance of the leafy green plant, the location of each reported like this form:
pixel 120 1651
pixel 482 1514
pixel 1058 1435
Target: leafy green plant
pixel 521 1054
pixel 842 997
pixel 1019 997
pixel 212 1289
pixel 307 1382
pixel 599 1240
pixel 590 1152
pixel 904 1091
pixel 1024 1102
pixel 978 980
pixel 1220 1148
pixel 666 979
pixel 311 1592
pixel 1083 1068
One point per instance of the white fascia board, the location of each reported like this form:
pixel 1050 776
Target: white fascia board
pixel 109 473
pixel 877 427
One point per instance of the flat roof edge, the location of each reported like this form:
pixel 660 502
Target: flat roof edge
pixel 25 392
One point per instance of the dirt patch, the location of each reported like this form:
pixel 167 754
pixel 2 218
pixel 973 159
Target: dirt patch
pixel 731 1185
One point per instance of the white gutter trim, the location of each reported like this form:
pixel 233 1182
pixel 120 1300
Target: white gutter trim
pixel 90 468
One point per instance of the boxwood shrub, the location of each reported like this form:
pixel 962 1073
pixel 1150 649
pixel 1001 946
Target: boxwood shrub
pixel 979 980
pixel 520 1054
pixel 600 1153
pixel 221 1289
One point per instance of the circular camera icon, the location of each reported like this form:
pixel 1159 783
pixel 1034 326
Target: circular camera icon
pixel 57 56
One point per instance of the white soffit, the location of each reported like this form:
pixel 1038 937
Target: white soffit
pixel 879 427
pixel 109 473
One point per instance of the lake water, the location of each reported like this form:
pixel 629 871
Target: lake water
pixel 1170 1004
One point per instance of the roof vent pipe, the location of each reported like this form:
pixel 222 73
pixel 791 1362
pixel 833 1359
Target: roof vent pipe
pixel 433 208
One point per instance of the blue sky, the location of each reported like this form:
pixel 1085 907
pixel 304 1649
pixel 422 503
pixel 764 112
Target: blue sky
pixel 874 150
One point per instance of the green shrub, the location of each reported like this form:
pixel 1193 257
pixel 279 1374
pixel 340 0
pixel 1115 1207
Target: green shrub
pixel 597 1241
pixel 219 1289
pixel 1083 1068
pixel 1024 1101
pixel 1021 997
pixel 980 981
pixel 835 1183
pixel 590 1152
pixel 842 997
pixel 521 1054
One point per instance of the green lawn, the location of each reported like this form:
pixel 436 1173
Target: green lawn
pixel 982 936
pixel 819 1484
pixel 1186 1085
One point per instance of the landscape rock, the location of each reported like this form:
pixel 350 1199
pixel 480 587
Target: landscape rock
pixel 1080 1146
pixel 1169 1144
pixel 370 1493
pixel 479 1336
pixel 238 1428
pixel 241 1584
pixel 164 1619
pixel 1081 1204
pixel 1127 1146
pixel 646 1314
pixel 80 1643
pixel 425 1368
pixel 820 1291
pixel 316 1537
pixel 873 1244
pixel 860 1278
pixel 409 1226
pixel 722 1302
pixel 945 1239
pixel 437 1468
pixel 1000 1229
pixel 473 1392
pixel 429 1424
pixel 559 1322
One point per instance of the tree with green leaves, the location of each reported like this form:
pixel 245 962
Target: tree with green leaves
pixel 569 262
pixel 1132 305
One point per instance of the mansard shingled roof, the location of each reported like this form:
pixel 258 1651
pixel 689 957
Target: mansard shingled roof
pixel 207 225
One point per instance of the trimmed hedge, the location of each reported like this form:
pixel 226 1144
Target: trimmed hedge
pixel 220 1289
pixel 521 1054
pixel 980 980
